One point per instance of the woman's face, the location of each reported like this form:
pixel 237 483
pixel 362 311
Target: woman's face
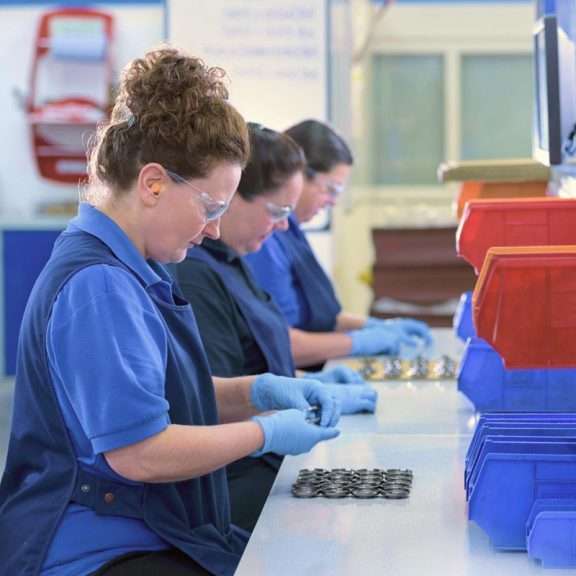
pixel 182 217
pixel 322 190
pixel 249 222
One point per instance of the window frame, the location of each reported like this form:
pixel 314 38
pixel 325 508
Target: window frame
pixel 452 31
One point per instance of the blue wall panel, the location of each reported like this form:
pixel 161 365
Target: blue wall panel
pixel 25 254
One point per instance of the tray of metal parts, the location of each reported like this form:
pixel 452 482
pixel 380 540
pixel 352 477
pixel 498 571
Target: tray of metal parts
pixel 390 484
pixel 394 368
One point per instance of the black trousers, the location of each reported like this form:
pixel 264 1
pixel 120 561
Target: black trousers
pixel 249 483
pixel 171 562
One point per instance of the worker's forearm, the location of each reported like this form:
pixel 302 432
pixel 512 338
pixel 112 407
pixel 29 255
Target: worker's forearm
pixel 183 452
pixel 233 398
pixel 310 348
pixel 346 321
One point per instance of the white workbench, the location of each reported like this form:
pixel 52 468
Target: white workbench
pixel 424 426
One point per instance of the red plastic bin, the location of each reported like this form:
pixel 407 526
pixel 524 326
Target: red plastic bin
pixel 479 189
pixel 524 305
pixel 514 222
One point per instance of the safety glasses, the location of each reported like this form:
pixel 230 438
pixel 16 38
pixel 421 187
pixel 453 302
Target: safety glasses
pixel 213 209
pixel 278 213
pixel 333 189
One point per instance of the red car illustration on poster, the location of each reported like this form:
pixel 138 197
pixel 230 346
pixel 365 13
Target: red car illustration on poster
pixel 70 85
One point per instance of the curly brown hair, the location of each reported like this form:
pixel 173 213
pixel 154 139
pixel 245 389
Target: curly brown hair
pixel 171 109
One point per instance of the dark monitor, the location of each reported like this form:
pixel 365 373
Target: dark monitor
pixel 547 125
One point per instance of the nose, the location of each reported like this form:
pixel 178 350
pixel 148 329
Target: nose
pixel 212 229
pixel 281 224
pixel 330 200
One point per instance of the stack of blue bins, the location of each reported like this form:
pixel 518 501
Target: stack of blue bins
pixel 484 380
pixel 520 481
pixel 462 321
pixel 520 472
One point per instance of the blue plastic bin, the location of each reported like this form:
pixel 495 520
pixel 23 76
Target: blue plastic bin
pixel 512 424
pixel 551 538
pixel 551 434
pixel 463 322
pixel 483 379
pixel 509 477
pixel 524 424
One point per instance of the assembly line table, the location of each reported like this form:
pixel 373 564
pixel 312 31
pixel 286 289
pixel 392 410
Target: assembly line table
pixel 425 426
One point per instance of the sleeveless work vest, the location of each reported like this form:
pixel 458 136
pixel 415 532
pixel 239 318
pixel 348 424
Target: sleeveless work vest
pixel 42 474
pixel 321 301
pixel 264 319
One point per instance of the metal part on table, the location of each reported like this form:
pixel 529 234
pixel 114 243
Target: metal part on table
pixel 313 415
pixel 419 368
pixel 391 484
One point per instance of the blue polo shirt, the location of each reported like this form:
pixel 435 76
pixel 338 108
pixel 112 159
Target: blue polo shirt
pixel 272 268
pixel 107 353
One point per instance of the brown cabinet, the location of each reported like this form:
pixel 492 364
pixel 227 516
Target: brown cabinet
pixel 417 273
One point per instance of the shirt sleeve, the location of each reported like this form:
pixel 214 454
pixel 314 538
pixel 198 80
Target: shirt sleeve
pixel 217 317
pixel 273 272
pixel 107 350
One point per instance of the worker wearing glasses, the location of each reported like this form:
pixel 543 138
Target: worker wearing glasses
pixel 288 270
pixel 120 433
pixel 242 329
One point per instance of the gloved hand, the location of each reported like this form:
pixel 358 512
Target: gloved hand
pixel 383 340
pixel 340 374
pixel 287 432
pixel 409 326
pixel 271 392
pixel 354 399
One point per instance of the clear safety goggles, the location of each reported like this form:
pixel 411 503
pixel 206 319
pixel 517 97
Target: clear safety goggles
pixel 333 189
pixel 213 209
pixel 277 212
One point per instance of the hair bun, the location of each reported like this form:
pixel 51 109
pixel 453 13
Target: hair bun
pixel 165 90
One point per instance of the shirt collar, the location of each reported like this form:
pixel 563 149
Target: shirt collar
pixel 98 224
pixel 292 219
pixel 220 250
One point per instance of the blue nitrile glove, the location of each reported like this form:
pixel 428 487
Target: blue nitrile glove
pixel 271 392
pixel 354 399
pixel 383 340
pixel 409 326
pixel 288 432
pixel 340 374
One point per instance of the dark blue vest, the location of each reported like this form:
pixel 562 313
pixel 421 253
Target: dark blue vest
pixel 263 317
pixel 322 304
pixel 42 476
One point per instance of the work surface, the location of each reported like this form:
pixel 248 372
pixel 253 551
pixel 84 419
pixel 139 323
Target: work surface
pixel 424 426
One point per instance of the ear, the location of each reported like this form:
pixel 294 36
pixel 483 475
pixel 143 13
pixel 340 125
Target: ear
pixel 151 183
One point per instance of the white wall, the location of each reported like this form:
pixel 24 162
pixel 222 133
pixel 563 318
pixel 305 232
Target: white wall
pixel 138 27
pixel 450 30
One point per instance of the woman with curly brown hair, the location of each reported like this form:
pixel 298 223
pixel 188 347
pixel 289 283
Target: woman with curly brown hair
pixel 119 433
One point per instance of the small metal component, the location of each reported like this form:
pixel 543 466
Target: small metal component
pixel 396 485
pixel 335 492
pixel 304 491
pixel 396 471
pixel 313 415
pixel 416 369
pixel 367 368
pixel 444 368
pixel 366 471
pixel 392 368
pixel 365 493
pixel 395 494
pixel 392 484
